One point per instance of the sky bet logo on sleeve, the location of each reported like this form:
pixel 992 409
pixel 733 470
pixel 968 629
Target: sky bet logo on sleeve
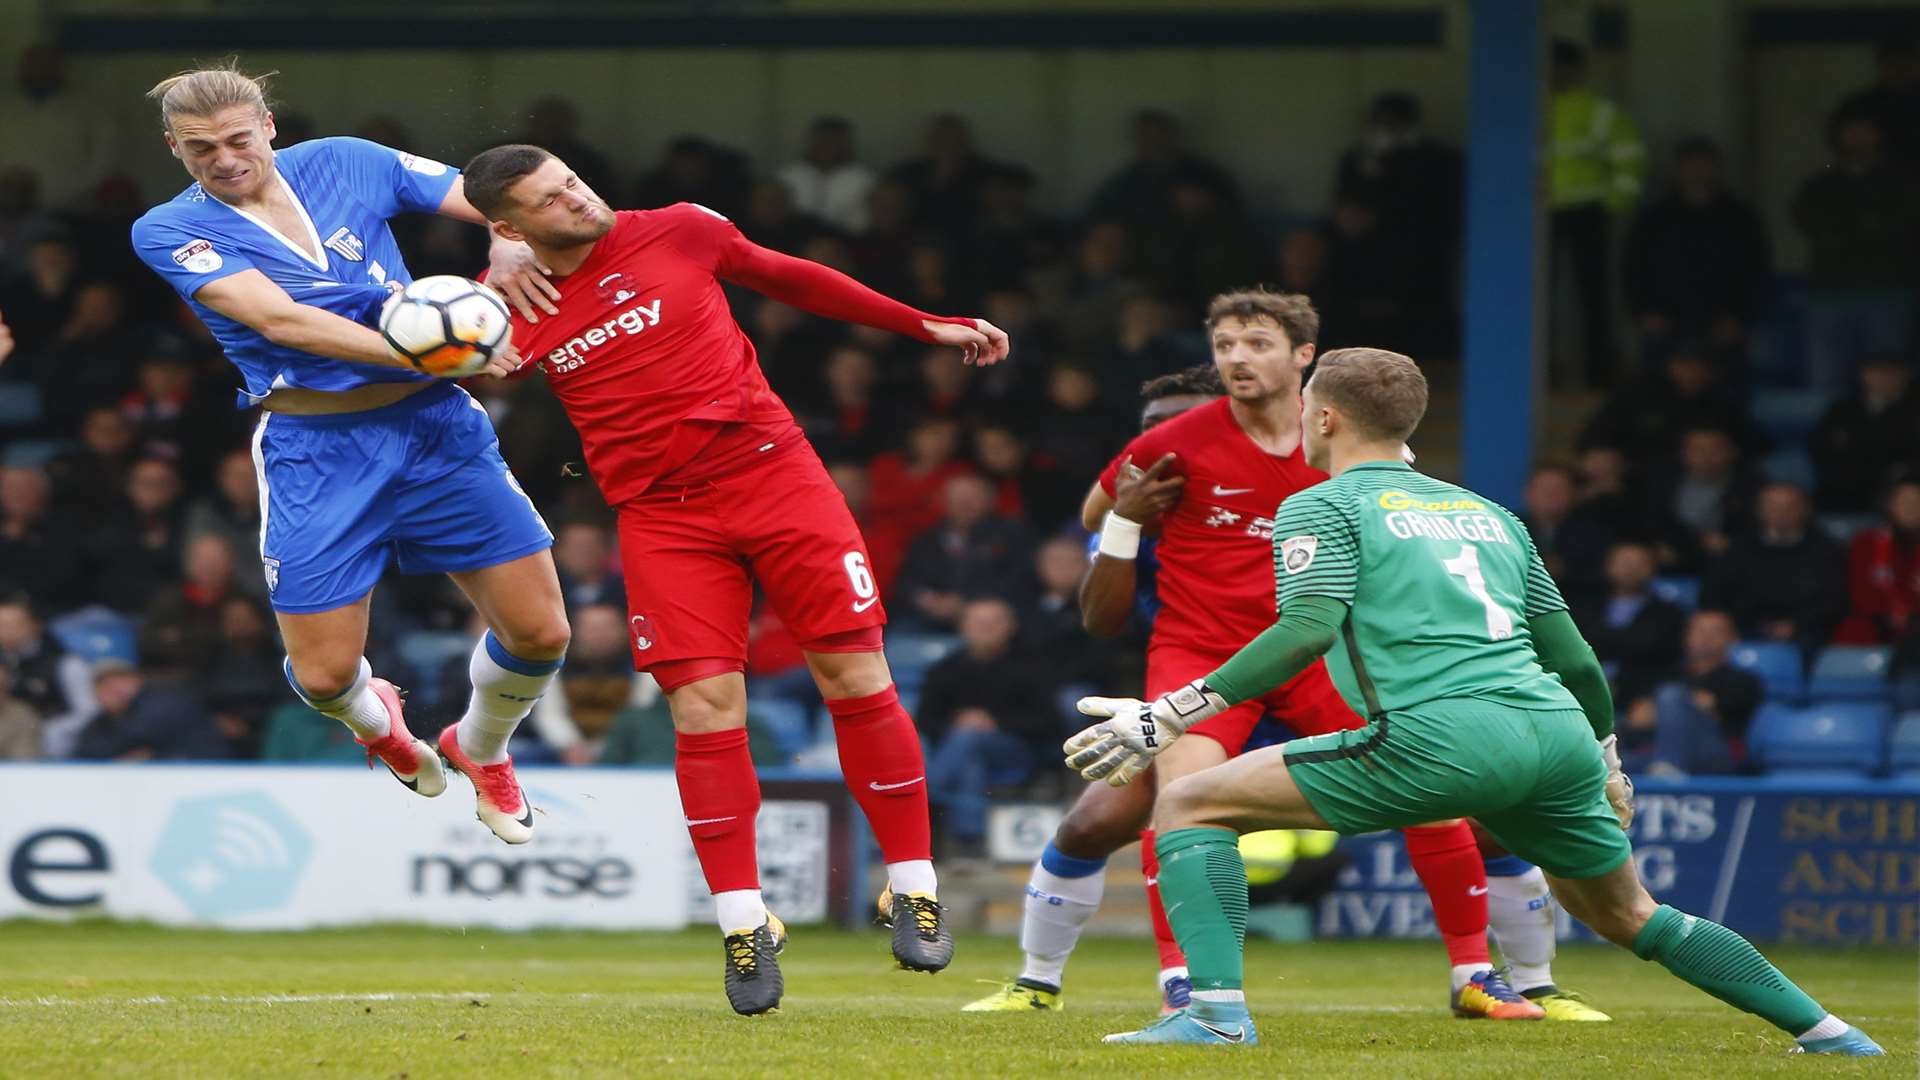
pixel 231 854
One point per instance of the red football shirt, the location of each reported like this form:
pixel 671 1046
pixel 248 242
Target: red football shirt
pixel 1216 545
pixel 645 346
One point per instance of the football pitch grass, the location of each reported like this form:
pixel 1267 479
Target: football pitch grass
pixel 97 999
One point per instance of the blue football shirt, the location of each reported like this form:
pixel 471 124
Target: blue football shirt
pixel 345 190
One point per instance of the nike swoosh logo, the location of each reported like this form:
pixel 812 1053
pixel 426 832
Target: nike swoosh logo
pixel 1476 890
pixel 862 605
pixel 1218 490
pixel 1234 1036
pixel 878 786
pixel 711 820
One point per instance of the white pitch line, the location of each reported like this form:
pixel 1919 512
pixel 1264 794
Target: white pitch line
pixel 223 999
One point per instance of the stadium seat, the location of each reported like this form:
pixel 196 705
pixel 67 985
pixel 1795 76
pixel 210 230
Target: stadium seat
pixel 912 655
pixel 1788 416
pixel 1849 736
pixel 1792 465
pixel 29 453
pixel 1776 665
pixel 97 633
pixel 426 653
pixel 1906 690
pixel 297 733
pixel 1904 749
pixel 1684 591
pixel 1850 673
pixel 19 404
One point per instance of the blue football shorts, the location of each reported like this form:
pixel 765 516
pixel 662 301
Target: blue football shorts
pixel 419 484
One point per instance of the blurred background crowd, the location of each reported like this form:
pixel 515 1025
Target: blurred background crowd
pixel 1735 519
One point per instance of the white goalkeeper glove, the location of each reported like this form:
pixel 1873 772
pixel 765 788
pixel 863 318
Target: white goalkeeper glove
pixel 1118 749
pixel 1619 785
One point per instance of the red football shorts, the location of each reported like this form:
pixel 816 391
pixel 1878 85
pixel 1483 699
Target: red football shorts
pixel 1309 704
pixel 691 555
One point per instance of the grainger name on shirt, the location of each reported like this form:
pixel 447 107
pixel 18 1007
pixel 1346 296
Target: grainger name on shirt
pixel 632 321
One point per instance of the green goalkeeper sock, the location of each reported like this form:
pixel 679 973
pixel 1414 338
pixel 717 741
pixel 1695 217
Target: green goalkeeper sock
pixel 1203 884
pixel 1722 963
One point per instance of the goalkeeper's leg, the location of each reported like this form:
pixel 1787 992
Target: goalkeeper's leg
pixel 1706 954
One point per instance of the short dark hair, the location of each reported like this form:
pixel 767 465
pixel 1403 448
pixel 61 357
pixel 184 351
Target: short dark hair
pixel 491 173
pixel 1292 312
pixel 1382 393
pixel 1201 379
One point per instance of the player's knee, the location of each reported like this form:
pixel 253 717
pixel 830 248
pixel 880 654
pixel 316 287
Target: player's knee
pixel 323 678
pixel 545 638
pixel 708 705
pixel 1182 803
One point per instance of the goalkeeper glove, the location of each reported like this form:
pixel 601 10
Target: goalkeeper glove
pixel 1119 748
pixel 1619 785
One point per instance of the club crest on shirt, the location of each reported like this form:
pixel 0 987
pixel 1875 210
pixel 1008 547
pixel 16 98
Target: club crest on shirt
pixel 272 569
pixel 198 256
pixel 347 244
pixel 613 289
pixel 1296 553
pixel 641 631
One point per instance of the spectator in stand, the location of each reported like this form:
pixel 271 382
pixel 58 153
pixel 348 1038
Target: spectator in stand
pixel 232 512
pixel 848 424
pixel 771 220
pixel 1368 282
pixel 19 724
pixel 1696 264
pixel 89 362
pixel 1710 498
pixel 1078 437
pixel 1141 192
pixel 139 718
pixel 945 181
pixel 244 681
pixel 1883 572
pixel 55 684
pixel 1572 536
pixel 1102 279
pixel 88 482
pixel 905 489
pixel 1204 247
pixel 37 547
pixel 987 713
pixel 1010 239
pixel 583 554
pixel 828 182
pixel 1697 726
pixel 596 684
pixel 1595 163
pixel 1041 497
pixel 1634 633
pixel 182 631
pixel 1867 437
pixel 1646 419
pixel 137 552
pixel 161 405
pixel 1783 580
pixel 946 388
pixel 1861 218
pixel 553 123
pixel 1894 101
pixel 1415 182
pixel 881 250
pixel 1050 620
pixel 39 297
pixel 886 544
pixel 697 171
pixel 970 552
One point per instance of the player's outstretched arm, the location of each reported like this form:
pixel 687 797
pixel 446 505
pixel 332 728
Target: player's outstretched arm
pixel 831 294
pixel 251 298
pixel 1307 628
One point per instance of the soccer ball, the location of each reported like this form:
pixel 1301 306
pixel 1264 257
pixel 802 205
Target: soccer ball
pixel 446 326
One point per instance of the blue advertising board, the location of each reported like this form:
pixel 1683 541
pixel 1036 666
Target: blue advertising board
pixel 1776 858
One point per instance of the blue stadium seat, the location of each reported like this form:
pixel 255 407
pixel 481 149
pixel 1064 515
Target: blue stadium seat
pixel 1850 673
pixel 1684 591
pixel 426 653
pixel 19 404
pixel 29 453
pixel 1790 465
pixel 97 633
pixel 911 655
pixel 1850 736
pixel 1788 416
pixel 1777 665
pixel 1904 749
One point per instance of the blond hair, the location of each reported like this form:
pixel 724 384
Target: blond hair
pixel 1382 393
pixel 205 91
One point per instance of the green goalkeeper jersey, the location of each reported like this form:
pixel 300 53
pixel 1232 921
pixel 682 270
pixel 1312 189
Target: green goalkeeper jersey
pixel 1439 585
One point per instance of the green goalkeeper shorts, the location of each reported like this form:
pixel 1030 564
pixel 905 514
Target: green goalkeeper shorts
pixel 1535 780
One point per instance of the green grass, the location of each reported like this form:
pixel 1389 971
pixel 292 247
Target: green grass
pixel 113 1000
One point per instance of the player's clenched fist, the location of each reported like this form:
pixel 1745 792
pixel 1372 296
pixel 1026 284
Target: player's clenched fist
pixel 1120 748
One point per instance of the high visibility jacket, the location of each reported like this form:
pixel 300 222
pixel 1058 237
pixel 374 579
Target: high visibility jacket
pixel 1594 152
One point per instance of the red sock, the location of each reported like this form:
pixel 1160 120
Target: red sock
pixel 880 758
pixel 1170 954
pixel 720 793
pixel 1449 864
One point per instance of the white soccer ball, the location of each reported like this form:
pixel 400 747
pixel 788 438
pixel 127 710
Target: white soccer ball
pixel 446 326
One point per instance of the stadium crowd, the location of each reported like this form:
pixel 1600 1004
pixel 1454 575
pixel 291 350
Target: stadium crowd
pixel 1708 503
